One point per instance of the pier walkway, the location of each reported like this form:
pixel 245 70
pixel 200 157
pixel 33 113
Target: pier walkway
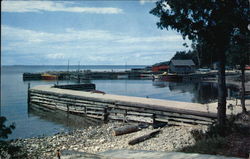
pixel 117 107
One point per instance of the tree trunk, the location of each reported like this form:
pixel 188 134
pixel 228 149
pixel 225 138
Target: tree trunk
pixel 221 115
pixel 244 110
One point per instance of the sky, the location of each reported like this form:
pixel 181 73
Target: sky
pixel 112 32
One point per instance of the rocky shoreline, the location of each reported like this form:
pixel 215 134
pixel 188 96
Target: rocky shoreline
pixel 100 138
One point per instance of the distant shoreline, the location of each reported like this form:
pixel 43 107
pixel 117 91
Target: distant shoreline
pixel 75 65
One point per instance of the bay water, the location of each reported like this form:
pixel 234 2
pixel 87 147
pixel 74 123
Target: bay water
pixel 31 123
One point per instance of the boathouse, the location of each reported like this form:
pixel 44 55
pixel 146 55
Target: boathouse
pixel 182 66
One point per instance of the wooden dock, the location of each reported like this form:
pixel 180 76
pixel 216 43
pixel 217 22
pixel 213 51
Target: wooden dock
pixel 124 108
pixel 88 75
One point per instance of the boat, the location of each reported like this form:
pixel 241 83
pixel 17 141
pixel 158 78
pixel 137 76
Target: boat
pixel 168 77
pixel 46 76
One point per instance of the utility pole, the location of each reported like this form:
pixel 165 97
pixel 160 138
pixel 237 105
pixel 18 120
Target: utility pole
pixel 78 74
pixel 68 71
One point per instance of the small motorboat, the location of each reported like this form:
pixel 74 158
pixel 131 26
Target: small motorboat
pixel 46 76
pixel 169 77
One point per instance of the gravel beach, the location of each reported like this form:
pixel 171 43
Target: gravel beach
pixel 100 138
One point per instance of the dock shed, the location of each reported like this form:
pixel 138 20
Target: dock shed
pixel 182 66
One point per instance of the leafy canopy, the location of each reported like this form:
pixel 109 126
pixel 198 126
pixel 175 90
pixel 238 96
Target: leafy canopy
pixel 211 22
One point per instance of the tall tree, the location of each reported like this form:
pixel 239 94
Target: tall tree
pixel 239 54
pixel 211 22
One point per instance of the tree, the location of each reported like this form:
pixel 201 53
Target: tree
pixel 7 149
pixel 209 23
pixel 183 55
pixel 239 54
pixel 5 130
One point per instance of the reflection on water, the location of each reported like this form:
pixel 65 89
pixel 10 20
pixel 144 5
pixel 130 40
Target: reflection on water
pixel 203 92
pixel 63 118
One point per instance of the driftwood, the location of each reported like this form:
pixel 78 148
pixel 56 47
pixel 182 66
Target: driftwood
pixel 126 130
pixel 144 137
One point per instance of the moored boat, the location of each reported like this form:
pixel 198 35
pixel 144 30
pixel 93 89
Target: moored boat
pixel 169 77
pixel 47 76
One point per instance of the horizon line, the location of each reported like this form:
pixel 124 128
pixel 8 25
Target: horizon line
pixel 75 65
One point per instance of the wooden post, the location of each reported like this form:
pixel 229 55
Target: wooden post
pixel 153 118
pixel 28 98
pixel 85 110
pixel 228 93
pixel 105 115
pixel 67 107
pixel 124 116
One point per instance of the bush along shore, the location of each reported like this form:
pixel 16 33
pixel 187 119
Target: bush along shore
pixel 96 139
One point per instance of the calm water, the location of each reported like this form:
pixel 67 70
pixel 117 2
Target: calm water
pixel 31 123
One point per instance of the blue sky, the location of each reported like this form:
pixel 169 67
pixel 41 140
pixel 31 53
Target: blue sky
pixel 89 32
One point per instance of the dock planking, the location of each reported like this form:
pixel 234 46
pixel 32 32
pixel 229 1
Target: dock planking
pixel 124 108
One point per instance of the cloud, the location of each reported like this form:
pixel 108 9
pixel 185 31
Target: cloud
pixel 56 56
pixel 146 1
pixel 38 6
pixel 33 37
pixel 92 46
pixel 170 38
pixel 71 35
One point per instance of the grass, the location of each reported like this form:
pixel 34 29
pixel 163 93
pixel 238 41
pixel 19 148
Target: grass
pixel 233 141
pixel 214 145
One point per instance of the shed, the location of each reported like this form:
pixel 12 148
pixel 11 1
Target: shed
pixel 182 66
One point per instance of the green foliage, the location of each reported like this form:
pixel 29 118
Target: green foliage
pixel 211 25
pixel 239 52
pixel 214 145
pixel 183 55
pixel 215 130
pixel 10 151
pixel 214 141
pixel 5 130
pixel 6 149
pixel 205 20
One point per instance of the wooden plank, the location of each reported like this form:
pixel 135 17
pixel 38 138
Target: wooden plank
pixel 174 123
pixel 94 116
pixel 70 103
pixel 94 112
pixel 69 100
